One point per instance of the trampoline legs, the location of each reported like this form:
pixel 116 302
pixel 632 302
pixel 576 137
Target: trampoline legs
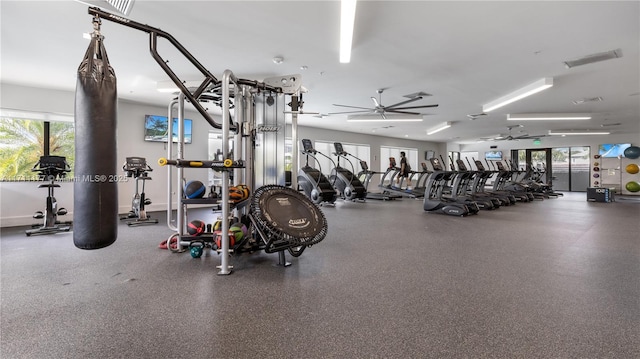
pixel 282 260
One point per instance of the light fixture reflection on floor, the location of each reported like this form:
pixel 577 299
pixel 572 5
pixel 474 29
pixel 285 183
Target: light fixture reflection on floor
pixel 547 116
pixel 528 90
pixel 438 128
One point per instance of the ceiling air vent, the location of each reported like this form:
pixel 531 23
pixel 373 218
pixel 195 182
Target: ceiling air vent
pixel 585 100
pixel 613 54
pixel 122 6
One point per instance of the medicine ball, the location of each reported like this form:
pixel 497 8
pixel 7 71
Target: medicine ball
pixel 194 189
pixel 232 239
pixel 196 227
pixel 238 193
pixel 239 230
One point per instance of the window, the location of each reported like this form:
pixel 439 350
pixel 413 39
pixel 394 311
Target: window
pixel 326 148
pixel 25 136
pixel 386 152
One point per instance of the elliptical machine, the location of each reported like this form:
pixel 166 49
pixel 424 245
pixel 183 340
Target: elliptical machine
pixel 138 168
pixel 433 194
pixel 49 168
pixel 315 184
pixel 344 181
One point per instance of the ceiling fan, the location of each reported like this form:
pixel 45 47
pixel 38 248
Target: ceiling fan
pixel 474 116
pixel 510 137
pixel 381 110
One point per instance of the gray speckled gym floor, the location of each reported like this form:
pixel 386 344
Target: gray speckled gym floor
pixel 558 278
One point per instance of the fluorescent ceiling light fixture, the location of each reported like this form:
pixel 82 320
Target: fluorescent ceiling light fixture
pixel 386 118
pixel 589 59
pixel 547 116
pixel 578 133
pixel 438 128
pixel 528 90
pixel 347 22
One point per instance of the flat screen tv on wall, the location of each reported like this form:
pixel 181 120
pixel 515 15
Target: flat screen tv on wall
pixel 156 129
pixel 612 149
pixel 493 155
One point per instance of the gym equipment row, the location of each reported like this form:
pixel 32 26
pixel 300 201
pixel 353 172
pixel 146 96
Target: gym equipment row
pixel 341 182
pixel 50 168
pixel 365 176
pixel 463 191
pixel 393 173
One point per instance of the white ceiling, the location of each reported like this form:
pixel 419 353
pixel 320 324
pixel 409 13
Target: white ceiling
pixel 463 53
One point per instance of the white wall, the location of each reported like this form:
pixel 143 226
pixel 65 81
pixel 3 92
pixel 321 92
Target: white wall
pixel 19 200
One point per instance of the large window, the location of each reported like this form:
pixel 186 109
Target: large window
pixel 327 148
pixel 386 152
pixel 25 136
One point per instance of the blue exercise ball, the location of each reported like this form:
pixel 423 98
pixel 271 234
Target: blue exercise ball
pixel 632 152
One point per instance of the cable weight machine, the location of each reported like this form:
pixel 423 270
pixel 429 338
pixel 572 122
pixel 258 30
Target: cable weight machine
pixel 280 218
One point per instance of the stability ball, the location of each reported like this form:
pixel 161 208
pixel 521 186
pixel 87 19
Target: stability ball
pixel 633 186
pixel 632 168
pixel 632 152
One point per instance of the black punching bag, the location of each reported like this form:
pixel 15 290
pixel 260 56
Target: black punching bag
pixel 95 191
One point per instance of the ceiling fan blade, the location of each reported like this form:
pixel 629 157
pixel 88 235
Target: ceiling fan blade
pixel 410 107
pixel 405 102
pixel 364 108
pixel 403 112
pixel 375 101
pixel 361 111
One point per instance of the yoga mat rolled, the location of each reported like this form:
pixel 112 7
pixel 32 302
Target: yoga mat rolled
pixel 95 189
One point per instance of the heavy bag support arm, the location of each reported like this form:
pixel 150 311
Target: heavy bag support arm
pixel 210 82
pixel 154 33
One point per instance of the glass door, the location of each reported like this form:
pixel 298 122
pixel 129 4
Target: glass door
pixel 538 159
pixel 579 168
pixel 560 167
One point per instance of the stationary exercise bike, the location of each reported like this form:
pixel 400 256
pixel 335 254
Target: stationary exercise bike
pixel 138 168
pixel 49 168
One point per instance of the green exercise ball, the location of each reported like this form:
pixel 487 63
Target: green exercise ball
pixel 633 186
